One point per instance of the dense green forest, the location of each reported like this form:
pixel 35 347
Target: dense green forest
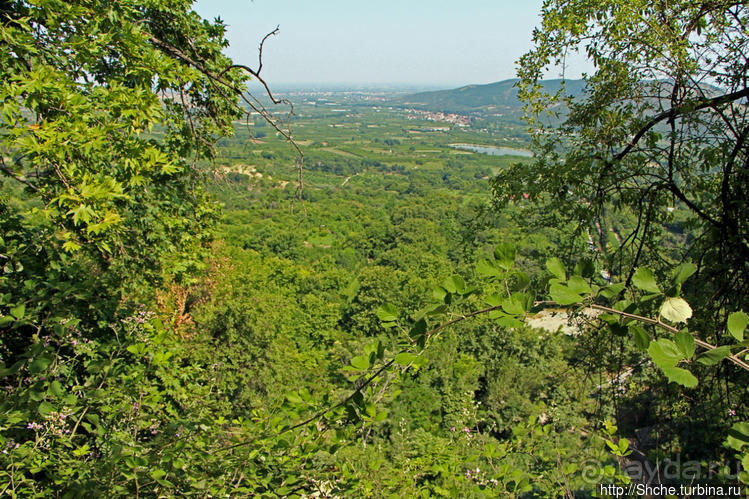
pixel 183 314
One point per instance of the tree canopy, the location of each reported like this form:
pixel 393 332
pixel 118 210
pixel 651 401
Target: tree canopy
pixel 661 129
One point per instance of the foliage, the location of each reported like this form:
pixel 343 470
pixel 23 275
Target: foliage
pixel 660 130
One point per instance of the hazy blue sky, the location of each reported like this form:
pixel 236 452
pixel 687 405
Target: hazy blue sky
pixel 419 42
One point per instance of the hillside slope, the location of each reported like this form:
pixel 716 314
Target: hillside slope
pixel 500 96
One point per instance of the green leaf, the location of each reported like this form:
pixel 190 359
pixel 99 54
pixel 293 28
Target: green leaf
pixel 556 267
pixel 680 376
pixel 439 293
pixel 493 300
pixel 19 311
pixel 40 363
pixel 738 436
pixel 563 295
pixel 55 388
pixel 485 268
pixel 611 291
pixel 509 321
pixel 675 309
pixel 577 284
pixel 737 322
pixel 585 268
pixel 623 446
pixel 387 313
pixel 418 329
pixel 664 353
pixel 713 356
pixel 513 306
pixel 361 362
pixel 157 474
pixel 642 338
pixel 454 284
pixel 644 279
pixel 505 255
pixel 683 272
pixel 405 358
pixel 685 341
pixel 45 408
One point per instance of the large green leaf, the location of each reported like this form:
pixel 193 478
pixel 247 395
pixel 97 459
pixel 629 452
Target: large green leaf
pixel 387 313
pixel 680 376
pixel 664 353
pixel 405 358
pixel 505 255
pixel 454 284
pixel 685 341
pixel 19 311
pixel 563 295
pixel 642 338
pixel 683 272
pixel 714 355
pixel 513 306
pixel 556 267
pixel 361 362
pixel 45 408
pixel 738 436
pixel 675 309
pixel 577 284
pixel 644 279
pixel 737 322
pixel 486 268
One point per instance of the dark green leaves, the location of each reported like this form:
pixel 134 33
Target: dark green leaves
pixel 641 337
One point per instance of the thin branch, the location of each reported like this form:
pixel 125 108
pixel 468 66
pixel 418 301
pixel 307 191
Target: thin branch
pixel 669 328
pixel 366 383
pixel 218 78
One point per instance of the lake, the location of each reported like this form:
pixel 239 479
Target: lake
pixel 494 150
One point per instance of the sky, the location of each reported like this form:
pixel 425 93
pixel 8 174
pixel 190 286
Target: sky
pixel 418 43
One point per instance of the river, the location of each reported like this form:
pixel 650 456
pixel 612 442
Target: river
pixel 494 150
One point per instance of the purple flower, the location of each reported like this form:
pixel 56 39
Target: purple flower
pixel 731 412
pixel 467 430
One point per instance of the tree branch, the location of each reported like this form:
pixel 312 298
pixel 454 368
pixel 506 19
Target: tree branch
pixel 672 113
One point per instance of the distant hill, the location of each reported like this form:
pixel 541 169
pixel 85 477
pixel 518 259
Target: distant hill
pixel 500 97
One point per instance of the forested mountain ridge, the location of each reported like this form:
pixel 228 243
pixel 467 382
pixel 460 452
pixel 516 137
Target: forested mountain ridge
pixel 496 97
